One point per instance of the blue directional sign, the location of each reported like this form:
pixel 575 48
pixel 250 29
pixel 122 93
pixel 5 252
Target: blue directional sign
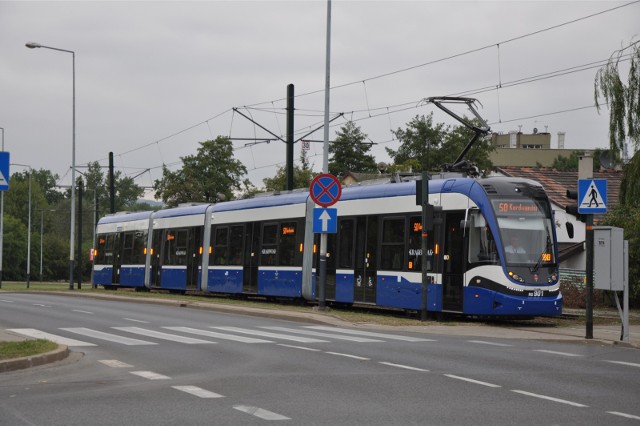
pixel 4 171
pixel 592 196
pixel 325 221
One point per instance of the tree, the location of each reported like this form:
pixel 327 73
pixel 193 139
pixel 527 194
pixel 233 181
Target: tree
pixel 302 176
pixel 210 176
pixel 349 152
pixel 457 139
pixel 623 100
pixel 127 192
pixel 16 200
pixel 49 185
pixel 418 144
pixel 55 259
pixel 629 188
pixel 15 249
pixel 570 163
pixel 424 144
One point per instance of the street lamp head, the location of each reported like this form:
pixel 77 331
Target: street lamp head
pixel 32 45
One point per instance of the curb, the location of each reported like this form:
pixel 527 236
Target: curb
pixel 58 354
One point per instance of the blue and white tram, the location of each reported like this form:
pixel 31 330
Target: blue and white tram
pixel 265 246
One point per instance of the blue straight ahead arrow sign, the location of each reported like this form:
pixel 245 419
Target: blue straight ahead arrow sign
pixel 325 221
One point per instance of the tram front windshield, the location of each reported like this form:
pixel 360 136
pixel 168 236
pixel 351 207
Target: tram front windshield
pixel 525 231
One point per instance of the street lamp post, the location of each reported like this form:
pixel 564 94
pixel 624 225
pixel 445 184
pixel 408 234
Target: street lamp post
pixel 32 45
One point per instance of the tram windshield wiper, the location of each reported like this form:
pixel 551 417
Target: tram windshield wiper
pixel 542 255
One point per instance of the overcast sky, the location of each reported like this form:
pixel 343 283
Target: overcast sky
pixel 153 79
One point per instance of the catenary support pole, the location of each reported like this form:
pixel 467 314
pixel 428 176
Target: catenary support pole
pixel 290 110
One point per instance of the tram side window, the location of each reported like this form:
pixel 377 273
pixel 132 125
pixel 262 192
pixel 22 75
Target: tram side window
pixel 101 250
pixel 345 244
pixel 127 249
pixel 269 249
pixel 181 247
pixel 236 236
pixel 109 250
pixel 139 247
pixel 133 248
pixel 175 252
pixel 415 244
pixel 220 248
pixel 392 254
pixel 288 243
pixel 482 246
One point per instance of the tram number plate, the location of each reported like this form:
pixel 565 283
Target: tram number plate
pixel 536 293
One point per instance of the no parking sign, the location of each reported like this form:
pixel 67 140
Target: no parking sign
pixel 325 190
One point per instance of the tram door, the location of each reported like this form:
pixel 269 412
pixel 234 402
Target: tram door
pixel 194 256
pixel 453 263
pixel 251 256
pixel 156 257
pixel 365 266
pixel 330 283
pixel 114 247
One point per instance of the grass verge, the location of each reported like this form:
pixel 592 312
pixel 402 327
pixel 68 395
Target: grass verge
pixel 11 350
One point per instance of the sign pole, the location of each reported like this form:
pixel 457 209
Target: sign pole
pixel 325 160
pixel 589 272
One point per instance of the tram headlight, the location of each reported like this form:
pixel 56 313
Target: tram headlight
pixel 516 277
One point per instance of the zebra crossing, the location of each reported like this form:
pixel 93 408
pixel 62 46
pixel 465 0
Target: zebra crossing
pixel 210 335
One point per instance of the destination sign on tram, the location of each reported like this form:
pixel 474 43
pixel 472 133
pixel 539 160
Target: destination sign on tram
pixel 516 207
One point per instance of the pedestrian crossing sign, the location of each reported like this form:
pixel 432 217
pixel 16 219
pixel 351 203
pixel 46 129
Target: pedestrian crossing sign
pixel 592 195
pixel 4 171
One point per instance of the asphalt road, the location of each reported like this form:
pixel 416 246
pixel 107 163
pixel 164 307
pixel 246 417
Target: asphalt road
pixel 147 364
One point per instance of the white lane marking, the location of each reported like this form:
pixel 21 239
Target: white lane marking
pixel 37 334
pixel 150 375
pixel 406 367
pixel 348 356
pixel 556 352
pixel 628 416
pixel 135 320
pixel 163 336
pixel 107 336
pixel 550 398
pixel 299 347
pixel 261 413
pixel 320 334
pixel 82 312
pixel 273 335
pixel 114 363
pixel 477 382
pixel 199 392
pixel 218 335
pixel 370 334
pixel 41 305
pixel 6 301
pixel 630 364
pixel 482 342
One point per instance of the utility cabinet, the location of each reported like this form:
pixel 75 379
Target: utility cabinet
pixel 608 258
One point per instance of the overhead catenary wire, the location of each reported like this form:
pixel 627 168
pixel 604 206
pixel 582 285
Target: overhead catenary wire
pixel 391 109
